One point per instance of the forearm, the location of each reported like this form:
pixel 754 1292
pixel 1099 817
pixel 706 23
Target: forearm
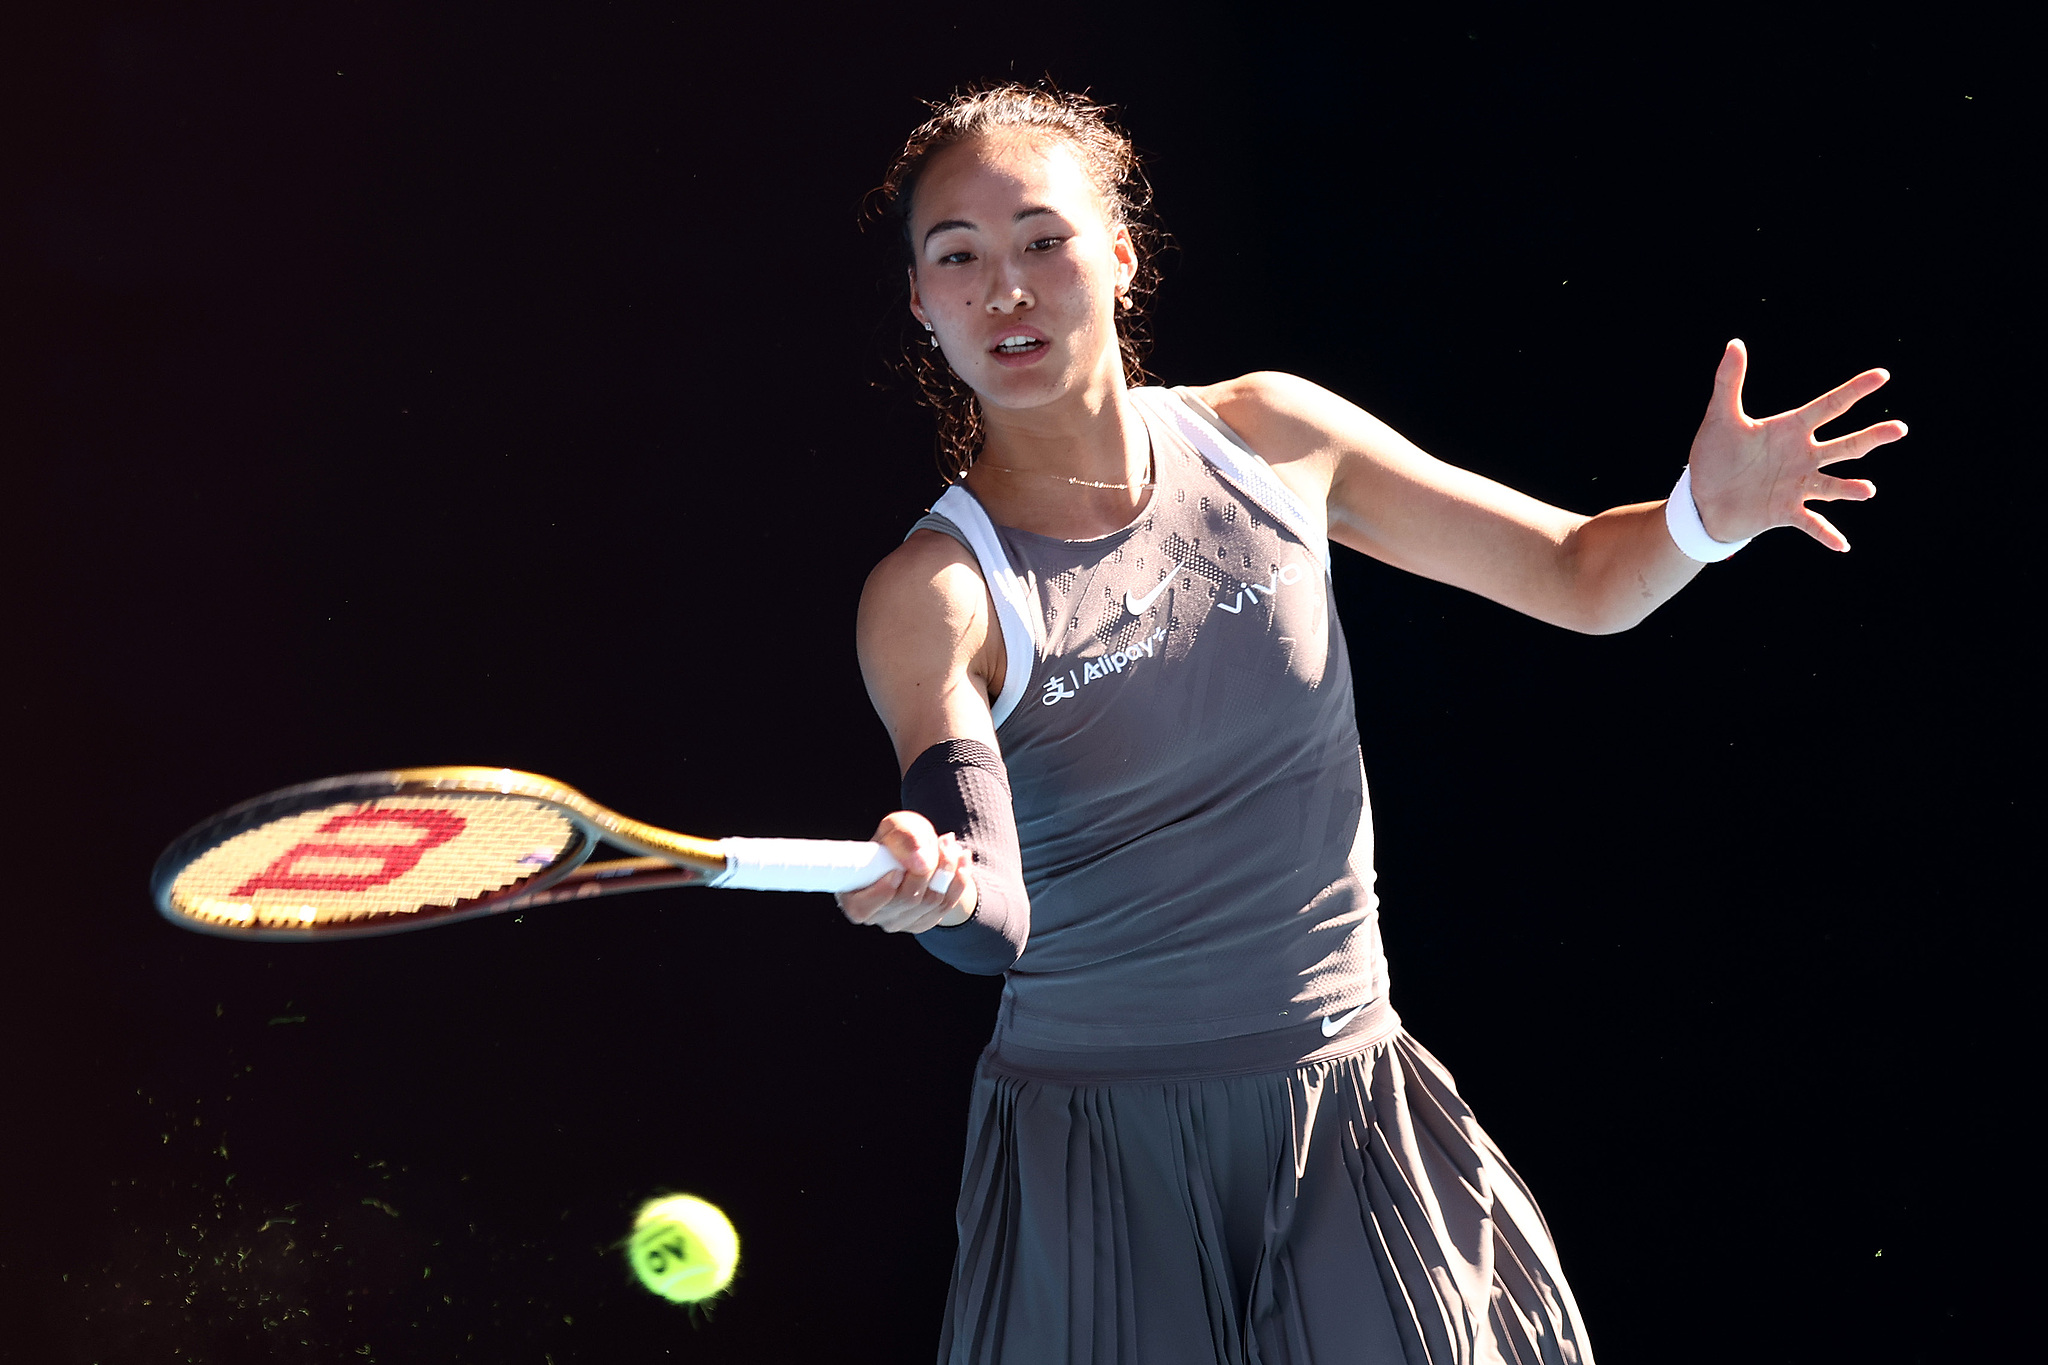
pixel 1618 567
pixel 960 785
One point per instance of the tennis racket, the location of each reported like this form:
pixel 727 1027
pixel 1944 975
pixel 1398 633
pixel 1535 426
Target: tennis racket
pixel 378 853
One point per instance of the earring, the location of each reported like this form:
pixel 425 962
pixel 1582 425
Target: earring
pixel 933 339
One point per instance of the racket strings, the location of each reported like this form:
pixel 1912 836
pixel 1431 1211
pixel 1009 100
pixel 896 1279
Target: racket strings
pixel 389 858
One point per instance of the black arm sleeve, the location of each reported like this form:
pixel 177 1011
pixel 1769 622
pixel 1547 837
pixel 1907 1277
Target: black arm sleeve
pixel 961 786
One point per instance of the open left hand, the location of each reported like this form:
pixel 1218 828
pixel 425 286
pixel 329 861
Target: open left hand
pixel 1749 475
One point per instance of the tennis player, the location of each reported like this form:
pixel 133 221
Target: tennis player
pixel 1112 668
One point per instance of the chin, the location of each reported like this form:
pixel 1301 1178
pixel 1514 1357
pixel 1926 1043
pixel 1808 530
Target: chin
pixel 1034 387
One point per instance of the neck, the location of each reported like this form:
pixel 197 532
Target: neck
pixel 1074 468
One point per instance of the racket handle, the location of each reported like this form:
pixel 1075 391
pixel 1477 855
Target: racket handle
pixel 808 865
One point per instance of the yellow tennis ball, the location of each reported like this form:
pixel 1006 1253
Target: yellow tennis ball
pixel 683 1248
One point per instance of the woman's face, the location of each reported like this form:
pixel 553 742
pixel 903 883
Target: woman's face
pixel 1018 269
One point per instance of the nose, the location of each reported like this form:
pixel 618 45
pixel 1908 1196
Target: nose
pixel 1008 303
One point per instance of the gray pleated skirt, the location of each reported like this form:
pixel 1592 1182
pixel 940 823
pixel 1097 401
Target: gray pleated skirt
pixel 1344 1211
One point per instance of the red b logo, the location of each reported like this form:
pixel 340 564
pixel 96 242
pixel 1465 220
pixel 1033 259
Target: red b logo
pixel 439 826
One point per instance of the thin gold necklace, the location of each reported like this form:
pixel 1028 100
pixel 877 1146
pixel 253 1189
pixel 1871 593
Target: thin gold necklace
pixel 1150 472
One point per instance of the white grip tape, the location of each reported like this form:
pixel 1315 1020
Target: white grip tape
pixel 809 865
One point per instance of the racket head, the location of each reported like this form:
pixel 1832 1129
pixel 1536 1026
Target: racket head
pixel 381 853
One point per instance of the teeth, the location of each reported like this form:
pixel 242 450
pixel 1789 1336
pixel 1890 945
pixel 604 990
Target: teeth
pixel 1016 343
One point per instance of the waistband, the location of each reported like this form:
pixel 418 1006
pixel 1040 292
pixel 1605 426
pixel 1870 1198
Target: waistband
pixel 1367 1026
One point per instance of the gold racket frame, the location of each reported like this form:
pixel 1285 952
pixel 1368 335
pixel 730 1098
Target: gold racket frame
pixel 667 858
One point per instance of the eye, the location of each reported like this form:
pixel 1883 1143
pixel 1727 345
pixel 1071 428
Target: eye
pixel 956 258
pixel 1045 243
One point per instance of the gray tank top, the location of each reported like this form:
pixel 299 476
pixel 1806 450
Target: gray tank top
pixel 1178 727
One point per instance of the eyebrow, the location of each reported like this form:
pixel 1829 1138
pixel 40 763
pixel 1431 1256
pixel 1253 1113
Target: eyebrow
pixel 1019 217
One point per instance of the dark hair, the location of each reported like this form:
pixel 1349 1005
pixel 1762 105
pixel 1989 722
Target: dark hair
pixel 1112 164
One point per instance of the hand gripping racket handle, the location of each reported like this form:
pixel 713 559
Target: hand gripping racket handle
pixel 808 865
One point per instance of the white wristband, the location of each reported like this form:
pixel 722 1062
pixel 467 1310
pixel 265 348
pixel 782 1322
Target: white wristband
pixel 1688 532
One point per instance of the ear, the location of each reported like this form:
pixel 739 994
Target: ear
pixel 1126 253
pixel 917 300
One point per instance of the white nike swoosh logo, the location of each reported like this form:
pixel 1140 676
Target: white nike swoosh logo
pixel 1136 605
pixel 1334 1025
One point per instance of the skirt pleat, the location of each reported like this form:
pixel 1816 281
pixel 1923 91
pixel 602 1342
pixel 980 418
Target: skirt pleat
pixel 1344 1212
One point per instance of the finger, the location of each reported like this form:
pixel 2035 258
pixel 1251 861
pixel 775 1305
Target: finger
pixel 915 845
pixel 1857 444
pixel 902 919
pixel 958 861
pixel 1827 488
pixel 863 905
pixel 1821 529
pixel 941 879
pixel 917 891
pixel 928 919
pixel 914 917
pixel 1840 399
pixel 1729 376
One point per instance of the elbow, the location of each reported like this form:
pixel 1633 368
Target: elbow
pixel 1605 622
pixel 1605 615
pixel 978 946
pixel 1615 569
pixel 1612 616
pixel 1601 596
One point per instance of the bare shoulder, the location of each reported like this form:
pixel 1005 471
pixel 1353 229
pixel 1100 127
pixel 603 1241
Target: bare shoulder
pixel 1297 426
pixel 1287 418
pixel 929 581
pixel 930 651
pixel 1262 391
pixel 1292 415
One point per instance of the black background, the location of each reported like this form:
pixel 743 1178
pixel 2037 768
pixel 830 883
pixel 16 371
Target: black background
pixel 398 384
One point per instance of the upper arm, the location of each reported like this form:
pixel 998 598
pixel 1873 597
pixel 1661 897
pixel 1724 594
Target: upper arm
pixel 930 649
pixel 1386 497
